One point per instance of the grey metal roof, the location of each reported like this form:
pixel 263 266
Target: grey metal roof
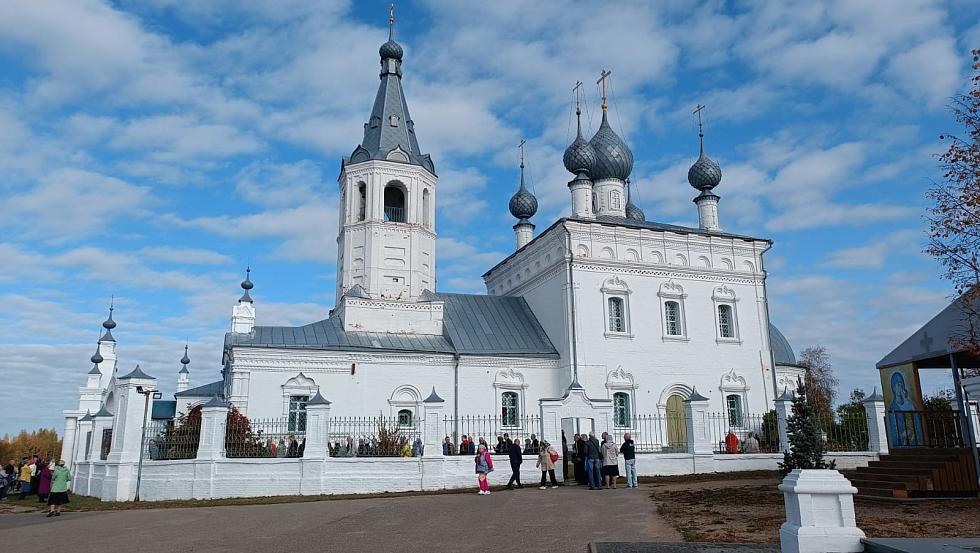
pixel 207 390
pixel 88 416
pixel 390 126
pixel 216 402
pixel 163 409
pixel 782 352
pixel 874 397
pixel 103 412
pixel 937 337
pixel 317 399
pixel 95 369
pixel 433 397
pixel 137 373
pixel 695 396
pixel 473 325
pixel 705 174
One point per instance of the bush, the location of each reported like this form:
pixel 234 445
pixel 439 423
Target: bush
pixel 806 445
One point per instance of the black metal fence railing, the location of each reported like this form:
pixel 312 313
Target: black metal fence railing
pixel 494 431
pixel 934 429
pixel 374 437
pixel 165 440
pixel 394 214
pixel 848 433
pixel 743 432
pixel 106 444
pixel 655 433
pixel 277 437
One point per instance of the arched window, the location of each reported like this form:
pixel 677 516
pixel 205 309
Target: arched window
pixel 672 316
pixel 394 198
pixel 426 220
pixel 621 409
pixel 734 404
pixel 297 413
pixel 510 413
pixel 361 208
pixel 405 417
pixel 726 321
pixel 617 322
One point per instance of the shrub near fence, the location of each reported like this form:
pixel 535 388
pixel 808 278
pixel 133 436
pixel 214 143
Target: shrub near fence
pixel 166 440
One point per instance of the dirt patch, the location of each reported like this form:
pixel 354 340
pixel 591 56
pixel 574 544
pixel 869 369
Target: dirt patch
pixel 753 514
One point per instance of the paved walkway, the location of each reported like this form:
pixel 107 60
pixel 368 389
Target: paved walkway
pixel 522 520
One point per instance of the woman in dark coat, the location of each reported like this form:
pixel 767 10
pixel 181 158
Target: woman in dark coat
pixel 44 482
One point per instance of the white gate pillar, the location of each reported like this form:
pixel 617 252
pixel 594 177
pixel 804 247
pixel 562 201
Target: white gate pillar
pixel 214 421
pixel 432 464
pixel 874 412
pixel 317 427
pixel 819 513
pixel 784 405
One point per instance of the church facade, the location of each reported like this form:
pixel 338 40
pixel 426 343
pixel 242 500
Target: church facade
pixel 639 315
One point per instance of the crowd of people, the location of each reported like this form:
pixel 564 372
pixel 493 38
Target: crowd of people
pixel 35 476
pixel 373 447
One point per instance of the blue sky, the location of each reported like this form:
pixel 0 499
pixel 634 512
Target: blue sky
pixel 151 149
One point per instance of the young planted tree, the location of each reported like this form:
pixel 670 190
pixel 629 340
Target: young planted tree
pixel 820 381
pixel 806 444
pixel 954 219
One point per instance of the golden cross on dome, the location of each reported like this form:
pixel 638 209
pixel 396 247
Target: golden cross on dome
pixel 602 80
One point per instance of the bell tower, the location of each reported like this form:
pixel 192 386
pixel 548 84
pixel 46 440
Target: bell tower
pixel 386 243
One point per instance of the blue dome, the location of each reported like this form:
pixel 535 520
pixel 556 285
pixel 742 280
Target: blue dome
pixel 613 157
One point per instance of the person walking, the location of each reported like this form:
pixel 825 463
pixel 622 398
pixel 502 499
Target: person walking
pixel 628 449
pixel 44 482
pixel 516 458
pixel 60 477
pixel 546 461
pixel 593 461
pixel 484 466
pixel 610 462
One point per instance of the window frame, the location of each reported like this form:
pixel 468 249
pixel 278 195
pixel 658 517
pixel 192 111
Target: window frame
pixel 411 418
pixel 673 292
pixel 626 407
pixel 739 407
pixel 725 296
pixel 297 409
pixel 513 420
pixel 615 288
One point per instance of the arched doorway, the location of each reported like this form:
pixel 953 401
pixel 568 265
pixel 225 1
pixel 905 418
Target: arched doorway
pixel 676 423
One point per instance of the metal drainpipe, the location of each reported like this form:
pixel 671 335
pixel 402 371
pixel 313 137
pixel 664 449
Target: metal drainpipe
pixel 456 357
pixel 571 302
pixel 772 357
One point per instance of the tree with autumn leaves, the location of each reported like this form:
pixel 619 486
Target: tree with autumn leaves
pixel 954 219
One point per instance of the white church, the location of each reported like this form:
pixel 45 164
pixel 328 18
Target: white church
pixel 624 312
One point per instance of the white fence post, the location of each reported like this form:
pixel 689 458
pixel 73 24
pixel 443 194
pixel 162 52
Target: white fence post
pixel 127 426
pixel 784 404
pixel 214 420
pixel 874 412
pixel 819 513
pixel 317 427
pixel 698 437
pixel 432 430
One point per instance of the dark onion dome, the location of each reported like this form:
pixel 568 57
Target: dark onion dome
pixel 247 285
pixel 580 155
pixel 634 213
pixel 705 174
pixel 613 157
pixel 523 204
pixel 109 324
pixel 392 50
pixel 185 360
pixel 97 356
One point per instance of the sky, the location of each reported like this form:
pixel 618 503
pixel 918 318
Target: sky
pixel 151 150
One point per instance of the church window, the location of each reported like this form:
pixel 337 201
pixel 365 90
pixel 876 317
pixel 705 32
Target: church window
pixel 405 417
pixel 361 201
pixel 617 321
pixel 672 316
pixel 621 409
pixel 510 412
pixel 614 200
pixel 297 413
pixel 734 404
pixel 726 321
pixel 394 198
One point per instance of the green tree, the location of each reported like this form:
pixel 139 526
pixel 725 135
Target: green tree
pixel 806 444
pixel 940 402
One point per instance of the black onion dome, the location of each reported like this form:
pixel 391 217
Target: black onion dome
pixel 634 213
pixel 97 356
pixel 185 360
pixel 523 204
pixel 392 50
pixel 705 174
pixel 613 157
pixel 109 324
pixel 580 155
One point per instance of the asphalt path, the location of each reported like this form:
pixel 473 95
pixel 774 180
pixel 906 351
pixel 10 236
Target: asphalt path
pixel 566 519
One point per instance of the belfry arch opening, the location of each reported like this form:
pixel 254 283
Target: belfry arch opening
pixel 394 202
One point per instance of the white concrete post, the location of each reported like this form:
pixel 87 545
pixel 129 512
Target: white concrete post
pixel 69 438
pixel 317 428
pixel 432 434
pixel 698 438
pixel 819 513
pixel 214 421
pixel 874 412
pixel 100 422
pixel 784 406
pixel 127 425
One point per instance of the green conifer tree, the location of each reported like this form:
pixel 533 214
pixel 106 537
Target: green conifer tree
pixel 806 444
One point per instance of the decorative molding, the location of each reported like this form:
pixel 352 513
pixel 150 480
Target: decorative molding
pixel 509 378
pixel 723 293
pixel 620 379
pixel 671 289
pixel 615 284
pixel 733 382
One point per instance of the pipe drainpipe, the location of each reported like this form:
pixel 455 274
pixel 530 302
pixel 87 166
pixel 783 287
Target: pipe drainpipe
pixel 456 357
pixel 571 302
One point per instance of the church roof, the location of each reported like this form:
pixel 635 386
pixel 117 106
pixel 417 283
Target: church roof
pixel 932 344
pixel 208 390
pixel 782 352
pixel 473 325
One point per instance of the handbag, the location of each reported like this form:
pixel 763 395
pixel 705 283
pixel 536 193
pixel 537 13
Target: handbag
pixel 554 457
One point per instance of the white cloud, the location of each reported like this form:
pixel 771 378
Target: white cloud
pixel 876 253
pixel 929 71
pixel 187 256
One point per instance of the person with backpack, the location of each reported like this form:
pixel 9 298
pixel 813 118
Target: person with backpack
pixel 547 457
pixel 484 466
